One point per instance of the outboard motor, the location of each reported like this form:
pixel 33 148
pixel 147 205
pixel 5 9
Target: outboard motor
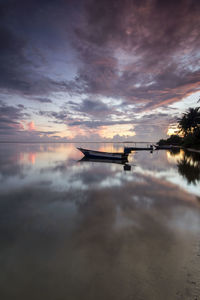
pixel 126 150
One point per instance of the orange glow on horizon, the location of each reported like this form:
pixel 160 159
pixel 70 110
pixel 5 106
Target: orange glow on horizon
pixel 73 132
pixel 121 130
pixel 172 129
pixel 105 132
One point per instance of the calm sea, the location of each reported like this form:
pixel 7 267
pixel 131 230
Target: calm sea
pixel 94 230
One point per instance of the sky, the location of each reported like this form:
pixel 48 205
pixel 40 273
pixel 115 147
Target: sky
pixel 89 70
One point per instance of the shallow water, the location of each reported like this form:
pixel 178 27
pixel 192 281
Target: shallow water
pixel 74 229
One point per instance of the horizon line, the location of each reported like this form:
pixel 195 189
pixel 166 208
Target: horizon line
pixel 70 142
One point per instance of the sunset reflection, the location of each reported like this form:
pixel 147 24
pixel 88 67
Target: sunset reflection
pixel 31 158
pixel 173 157
pixel 92 221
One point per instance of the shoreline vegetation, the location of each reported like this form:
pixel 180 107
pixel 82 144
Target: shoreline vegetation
pixel 189 131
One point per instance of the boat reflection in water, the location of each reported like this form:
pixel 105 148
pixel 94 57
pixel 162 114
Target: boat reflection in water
pixel 123 162
pixel 90 230
pixel 106 157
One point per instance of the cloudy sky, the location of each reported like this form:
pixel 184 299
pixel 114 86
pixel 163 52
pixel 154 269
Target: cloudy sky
pixel 89 70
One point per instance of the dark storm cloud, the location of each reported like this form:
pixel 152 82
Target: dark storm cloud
pixel 148 120
pixel 96 108
pixel 12 125
pixel 99 114
pixel 75 113
pixel 162 36
pixel 10 119
pixel 143 53
pixel 11 114
pixel 60 117
pixel 99 74
pixel 11 58
pixel 96 124
pixel 43 100
pixel 13 62
pixel 26 29
pixel 95 114
pixel 150 26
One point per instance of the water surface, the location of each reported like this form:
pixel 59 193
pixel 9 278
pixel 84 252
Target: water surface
pixel 74 229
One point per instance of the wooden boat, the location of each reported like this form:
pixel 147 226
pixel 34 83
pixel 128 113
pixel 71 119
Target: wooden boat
pixel 104 155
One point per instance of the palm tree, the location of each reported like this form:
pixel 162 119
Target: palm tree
pixel 190 121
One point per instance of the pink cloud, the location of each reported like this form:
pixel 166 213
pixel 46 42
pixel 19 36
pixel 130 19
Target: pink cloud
pixel 31 126
pixel 18 126
pixel 21 126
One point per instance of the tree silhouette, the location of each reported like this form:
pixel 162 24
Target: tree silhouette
pixel 189 167
pixel 190 122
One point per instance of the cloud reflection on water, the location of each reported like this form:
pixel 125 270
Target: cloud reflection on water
pixel 90 230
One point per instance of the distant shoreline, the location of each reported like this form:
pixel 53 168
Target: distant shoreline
pixel 76 142
pixel 192 150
